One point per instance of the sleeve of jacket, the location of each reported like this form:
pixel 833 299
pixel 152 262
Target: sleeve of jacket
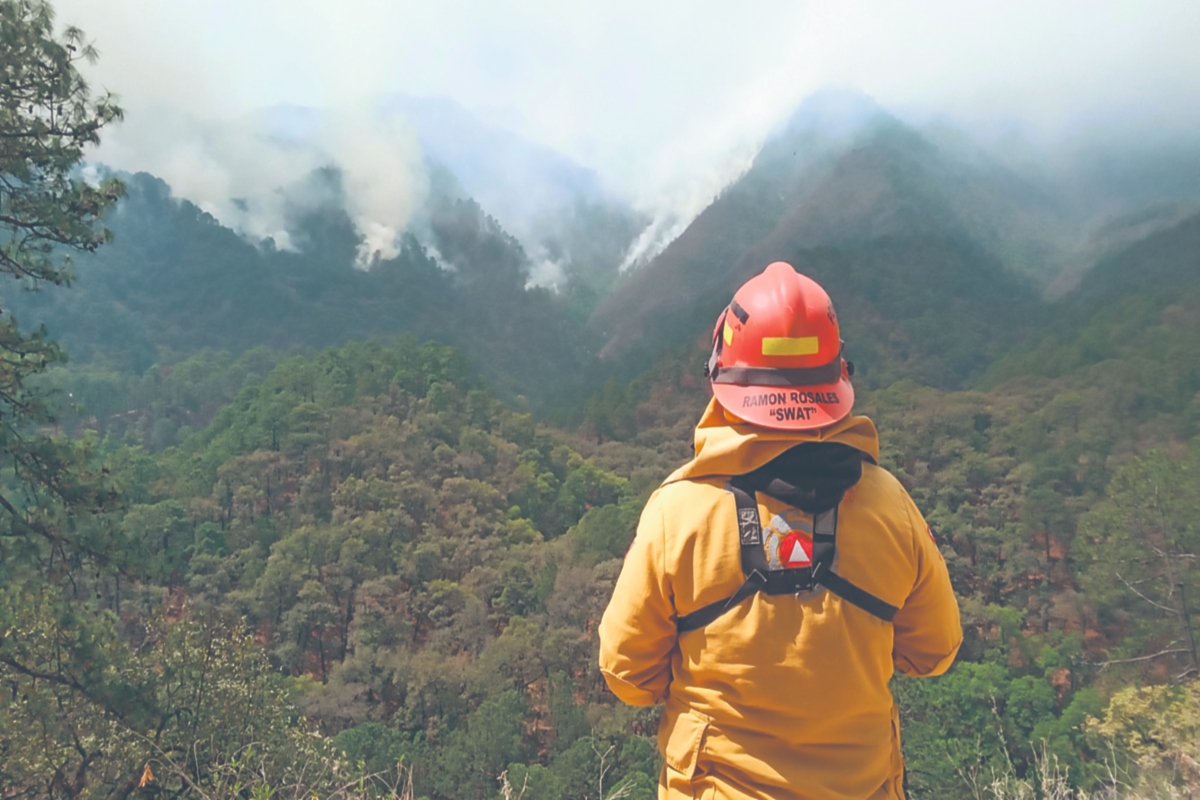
pixel 637 632
pixel 928 631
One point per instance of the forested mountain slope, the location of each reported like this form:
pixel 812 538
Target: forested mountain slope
pixel 175 281
pixel 1164 260
pixel 831 204
pixel 573 227
pixel 1137 309
pixel 844 179
pixel 930 249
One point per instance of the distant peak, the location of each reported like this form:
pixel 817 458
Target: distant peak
pixel 833 111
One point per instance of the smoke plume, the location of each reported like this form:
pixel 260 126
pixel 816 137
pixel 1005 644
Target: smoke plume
pixel 251 174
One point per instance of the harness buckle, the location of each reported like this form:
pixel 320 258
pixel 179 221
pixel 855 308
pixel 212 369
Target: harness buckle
pixel 789 581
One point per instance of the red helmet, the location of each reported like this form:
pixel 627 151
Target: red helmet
pixel 777 354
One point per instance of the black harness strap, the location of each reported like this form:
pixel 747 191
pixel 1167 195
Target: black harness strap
pixel 709 613
pixel 754 563
pixel 854 595
pixel 760 577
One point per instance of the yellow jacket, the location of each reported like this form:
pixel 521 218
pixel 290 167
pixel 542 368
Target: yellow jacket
pixel 780 697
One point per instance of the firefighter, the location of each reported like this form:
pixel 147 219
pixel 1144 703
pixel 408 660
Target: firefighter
pixel 779 578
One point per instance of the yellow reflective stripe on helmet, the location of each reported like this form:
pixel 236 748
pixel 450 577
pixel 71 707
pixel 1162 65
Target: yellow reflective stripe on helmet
pixel 728 334
pixel 788 346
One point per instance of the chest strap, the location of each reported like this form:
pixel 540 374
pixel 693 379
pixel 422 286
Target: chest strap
pixel 761 578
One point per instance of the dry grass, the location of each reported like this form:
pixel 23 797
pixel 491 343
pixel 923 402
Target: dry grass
pixel 1050 782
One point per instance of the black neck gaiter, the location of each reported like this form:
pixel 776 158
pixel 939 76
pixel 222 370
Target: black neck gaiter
pixel 811 477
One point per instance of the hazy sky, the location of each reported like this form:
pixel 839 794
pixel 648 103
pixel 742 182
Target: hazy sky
pixel 615 83
pixel 659 97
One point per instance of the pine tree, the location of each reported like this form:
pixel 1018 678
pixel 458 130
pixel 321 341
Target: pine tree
pixel 52 650
pixel 47 118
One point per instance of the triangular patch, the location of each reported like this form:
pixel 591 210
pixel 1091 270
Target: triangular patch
pixel 798 556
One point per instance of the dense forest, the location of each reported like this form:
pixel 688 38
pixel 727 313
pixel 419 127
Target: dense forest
pixel 285 528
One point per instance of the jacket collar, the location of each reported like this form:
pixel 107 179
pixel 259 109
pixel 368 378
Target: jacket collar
pixel 728 445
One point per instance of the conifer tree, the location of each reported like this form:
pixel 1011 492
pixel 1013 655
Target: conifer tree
pixel 50 649
pixel 47 119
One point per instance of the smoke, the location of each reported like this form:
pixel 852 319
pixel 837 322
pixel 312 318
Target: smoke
pixel 383 176
pixel 675 206
pixel 435 255
pixel 691 171
pixel 546 272
pixel 232 171
pixel 251 174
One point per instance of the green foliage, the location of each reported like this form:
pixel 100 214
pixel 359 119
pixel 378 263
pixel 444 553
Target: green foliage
pixel 47 118
pixel 377 747
pixel 394 536
pixel 197 704
pixel 54 646
pixel 1143 543
pixel 371 532
pixel 1155 732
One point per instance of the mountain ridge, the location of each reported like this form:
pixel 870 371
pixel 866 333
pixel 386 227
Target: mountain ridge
pixel 802 194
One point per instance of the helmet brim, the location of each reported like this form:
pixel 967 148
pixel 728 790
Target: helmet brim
pixel 789 408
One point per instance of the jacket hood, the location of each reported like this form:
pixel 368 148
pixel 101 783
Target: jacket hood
pixel 728 445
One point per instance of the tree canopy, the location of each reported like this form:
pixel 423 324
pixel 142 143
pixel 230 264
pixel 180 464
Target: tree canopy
pixel 47 118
